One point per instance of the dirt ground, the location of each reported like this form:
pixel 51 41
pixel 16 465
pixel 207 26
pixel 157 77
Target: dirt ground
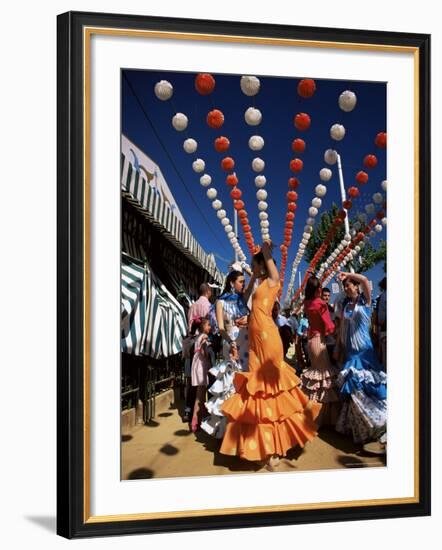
pixel 166 448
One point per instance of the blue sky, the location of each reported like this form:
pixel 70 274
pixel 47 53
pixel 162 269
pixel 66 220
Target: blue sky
pixel 279 102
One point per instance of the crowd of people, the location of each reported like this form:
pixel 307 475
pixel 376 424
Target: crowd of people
pixel 264 380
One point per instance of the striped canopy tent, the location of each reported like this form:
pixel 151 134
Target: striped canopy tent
pixel 153 323
pixel 145 198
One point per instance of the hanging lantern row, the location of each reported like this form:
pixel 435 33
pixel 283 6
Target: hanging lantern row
pixel 362 218
pixel 320 191
pixel 349 251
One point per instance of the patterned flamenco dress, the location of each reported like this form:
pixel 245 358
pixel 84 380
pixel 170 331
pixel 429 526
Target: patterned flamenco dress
pixel 268 414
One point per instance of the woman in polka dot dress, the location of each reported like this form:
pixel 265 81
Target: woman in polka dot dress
pixel 268 414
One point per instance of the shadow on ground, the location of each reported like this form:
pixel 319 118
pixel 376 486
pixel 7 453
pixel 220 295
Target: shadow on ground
pixel 141 473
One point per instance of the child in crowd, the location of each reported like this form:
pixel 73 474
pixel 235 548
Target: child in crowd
pixel 201 364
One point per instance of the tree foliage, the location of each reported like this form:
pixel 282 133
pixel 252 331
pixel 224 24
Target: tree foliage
pixel 368 257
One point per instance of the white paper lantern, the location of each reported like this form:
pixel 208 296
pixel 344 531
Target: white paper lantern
pixel 320 190
pixel 362 244
pixel 253 116
pixel 305 235
pixel 258 164
pixel 304 241
pixel 225 221
pixel 369 208
pixel 325 174
pixel 163 90
pixel 384 221
pixel 302 246
pixel 310 221
pixel 180 122
pixel 347 101
pixel 198 165
pixel 228 228
pixel 262 205
pixel 352 232
pixel 230 235
pixel 256 143
pixel 264 223
pixel 234 240
pixel 337 132
pixel 205 180
pixel 217 204
pixel 378 198
pixel 317 202
pixel 260 181
pixel 263 215
pixel 261 195
pixel 312 211
pixel 330 156
pixel 378 228
pixel 340 247
pixel 357 248
pixel 221 214
pixel 190 145
pixel 384 185
pixel 250 85
pixel 211 193
pixel 308 228
pixel 372 233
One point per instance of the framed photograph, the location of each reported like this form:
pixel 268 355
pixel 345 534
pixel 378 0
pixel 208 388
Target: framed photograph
pixel 223 353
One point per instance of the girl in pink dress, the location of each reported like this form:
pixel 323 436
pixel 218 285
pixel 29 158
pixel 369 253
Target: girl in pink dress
pixel 319 380
pixel 201 364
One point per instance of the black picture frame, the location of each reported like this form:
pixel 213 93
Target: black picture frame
pixel 72 392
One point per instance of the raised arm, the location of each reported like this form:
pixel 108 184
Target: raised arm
pixel 249 288
pixel 272 270
pixel 363 283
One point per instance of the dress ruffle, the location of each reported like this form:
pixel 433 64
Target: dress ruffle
pixel 358 374
pixel 221 390
pixel 268 414
pixel 320 385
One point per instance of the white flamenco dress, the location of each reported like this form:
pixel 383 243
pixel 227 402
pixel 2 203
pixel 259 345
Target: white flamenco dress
pixel 224 370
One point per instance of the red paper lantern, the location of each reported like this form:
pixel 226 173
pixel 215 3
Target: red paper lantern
pixel 293 183
pixel 238 205
pixel 247 227
pixel 242 214
pixel 370 161
pixel 204 83
pixel 373 223
pixel 232 180
pixel 292 206
pixel 381 140
pixel 296 165
pixel 380 215
pixel 354 192
pixel 247 235
pixel 245 220
pixel 292 196
pixel 283 248
pixel 347 204
pixel 221 144
pixel 236 193
pixel 227 164
pixel 306 87
pixel 360 236
pixel 215 118
pixel 298 145
pixel 367 230
pixel 302 122
pixel 290 216
pixel 362 177
pixel 289 224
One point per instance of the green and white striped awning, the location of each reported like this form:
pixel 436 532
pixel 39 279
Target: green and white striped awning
pixel 150 203
pixel 153 322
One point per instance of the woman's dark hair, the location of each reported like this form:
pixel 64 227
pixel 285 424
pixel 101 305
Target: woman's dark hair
pixel 231 278
pixel 350 280
pixel 311 287
pixel 259 259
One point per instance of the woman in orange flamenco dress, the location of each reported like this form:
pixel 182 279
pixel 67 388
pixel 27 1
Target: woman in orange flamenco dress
pixel 268 414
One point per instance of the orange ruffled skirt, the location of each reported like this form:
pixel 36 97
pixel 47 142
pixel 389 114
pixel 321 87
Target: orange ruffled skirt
pixel 268 415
